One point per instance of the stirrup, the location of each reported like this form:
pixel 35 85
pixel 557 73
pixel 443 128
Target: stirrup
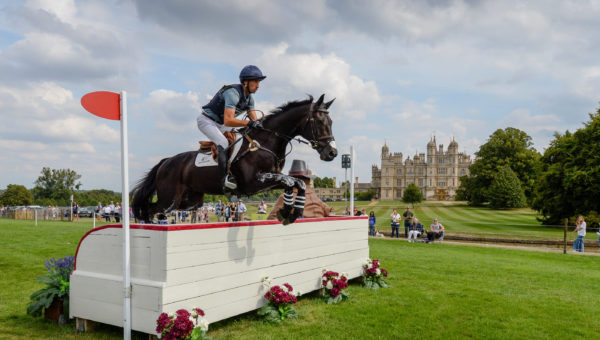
pixel 230 184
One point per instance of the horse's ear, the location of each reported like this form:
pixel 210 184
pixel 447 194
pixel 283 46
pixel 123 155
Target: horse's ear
pixel 328 104
pixel 320 101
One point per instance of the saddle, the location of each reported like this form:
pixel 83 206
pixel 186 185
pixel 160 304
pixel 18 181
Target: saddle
pixel 208 147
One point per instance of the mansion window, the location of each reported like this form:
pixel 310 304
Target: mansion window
pixel 399 183
pixel 387 182
pixel 441 171
pixel 409 171
pixel 399 171
pixel 420 182
pixel 420 171
pixel 463 172
pixel 399 194
pixel 441 184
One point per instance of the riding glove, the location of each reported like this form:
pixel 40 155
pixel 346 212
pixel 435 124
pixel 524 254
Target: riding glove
pixel 255 124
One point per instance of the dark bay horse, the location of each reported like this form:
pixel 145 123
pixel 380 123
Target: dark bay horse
pixel 179 184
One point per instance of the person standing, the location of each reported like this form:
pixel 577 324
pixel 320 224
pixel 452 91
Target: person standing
pixel 227 212
pixel 395 217
pixel 372 223
pixel 99 211
pixel 241 210
pixel 75 212
pixel 219 211
pixel 408 220
pixel 580 229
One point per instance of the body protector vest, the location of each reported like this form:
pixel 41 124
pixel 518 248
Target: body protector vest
pixel 216 105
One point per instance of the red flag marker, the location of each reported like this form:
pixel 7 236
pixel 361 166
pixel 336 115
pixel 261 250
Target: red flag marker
pixel 103 104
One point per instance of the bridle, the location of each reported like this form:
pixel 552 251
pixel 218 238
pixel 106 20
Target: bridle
pixel 317 143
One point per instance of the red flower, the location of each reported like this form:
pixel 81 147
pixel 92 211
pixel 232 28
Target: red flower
pixel 183 313
pixel 335 291
pixel 162 323
pixel 199 311
pixel 288 286
pixel 375 263
pixel 385 273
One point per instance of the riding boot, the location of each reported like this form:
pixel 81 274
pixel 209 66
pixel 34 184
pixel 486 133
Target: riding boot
pixel 227 181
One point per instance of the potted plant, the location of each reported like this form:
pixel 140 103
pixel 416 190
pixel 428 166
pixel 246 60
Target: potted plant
pixel 53 299
pixel 183 325
pixel 334 287
pixel 373 275
pixel 279 306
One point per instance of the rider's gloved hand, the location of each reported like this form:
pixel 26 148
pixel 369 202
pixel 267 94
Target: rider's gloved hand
pixel 255 124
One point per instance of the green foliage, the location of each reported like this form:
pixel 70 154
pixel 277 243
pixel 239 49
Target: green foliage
pixel 16 195
pixel 505 191
pixel 511 147
pixel 55 187
pixel 276 314
pixel 92 197
pixel 568 184
pixel 364 196
pixel 57 286
pixel 324 182
pixel 412 194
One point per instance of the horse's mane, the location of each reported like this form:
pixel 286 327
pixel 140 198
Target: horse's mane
pixel 289 105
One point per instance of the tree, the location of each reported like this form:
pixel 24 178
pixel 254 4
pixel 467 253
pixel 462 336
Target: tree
pixel 324 182
pixel 506 191
pixel 568 183
pixel 92 197
pixel 511 147
pixel 55 186
pixel 412 194
pixel 16 195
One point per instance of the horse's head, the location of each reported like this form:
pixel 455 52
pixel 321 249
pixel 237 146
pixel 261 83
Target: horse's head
pixel 317 129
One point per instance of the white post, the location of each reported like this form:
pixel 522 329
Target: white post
pixel 125 224
pixel 71 208
pixel 94 219
pixel 352 179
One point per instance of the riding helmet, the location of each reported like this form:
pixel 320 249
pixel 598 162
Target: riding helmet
pixel 251 72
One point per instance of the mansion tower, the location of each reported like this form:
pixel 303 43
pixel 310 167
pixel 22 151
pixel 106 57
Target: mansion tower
pixel 437 174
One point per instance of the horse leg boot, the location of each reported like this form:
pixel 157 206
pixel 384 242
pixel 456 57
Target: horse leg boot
pixel 299 202
pixel 284 213
pixel 227 181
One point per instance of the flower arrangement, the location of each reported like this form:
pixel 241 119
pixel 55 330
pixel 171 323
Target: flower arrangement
pixel 57 287
pixel 334 287
pixel 373 275
pixel 280 300
pixel 183 325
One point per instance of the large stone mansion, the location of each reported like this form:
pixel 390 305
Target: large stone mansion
pixel 437 174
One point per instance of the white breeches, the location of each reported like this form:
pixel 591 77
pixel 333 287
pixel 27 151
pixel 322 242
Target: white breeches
pixel 213 130
pixel 413 234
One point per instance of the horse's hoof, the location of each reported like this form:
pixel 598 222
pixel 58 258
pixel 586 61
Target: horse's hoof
pixel 285 221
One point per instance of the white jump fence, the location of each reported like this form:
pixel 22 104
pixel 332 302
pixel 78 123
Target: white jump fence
pixel 218 267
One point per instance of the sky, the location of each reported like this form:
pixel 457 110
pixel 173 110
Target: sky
pixel 401 72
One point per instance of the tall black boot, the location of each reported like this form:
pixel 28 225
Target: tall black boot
pixel 227 181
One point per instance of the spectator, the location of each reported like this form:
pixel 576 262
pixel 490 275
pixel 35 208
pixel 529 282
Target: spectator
pixel 356 212
pixel 395 217
pixel 313 206
pixel 99 211
pixel 227 212
pixel 436 231
pixel 234 212
pixel 206 215
pixel 347 212
pixel 407 217
pixel 117 213
pixel 241 210
pixel 262 207
pixel 415 230
pixel 112 210
pixel 75 212
pixel 580 229
pixel 106 213
pixel 194 215
pixel 219 211
pixel 372 223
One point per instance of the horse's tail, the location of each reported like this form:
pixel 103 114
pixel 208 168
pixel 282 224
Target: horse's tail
pixel 143 194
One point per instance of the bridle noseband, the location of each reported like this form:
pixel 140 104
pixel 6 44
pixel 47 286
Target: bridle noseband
pixel 315 142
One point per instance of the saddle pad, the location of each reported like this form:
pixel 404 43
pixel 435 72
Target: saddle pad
pixel 206 159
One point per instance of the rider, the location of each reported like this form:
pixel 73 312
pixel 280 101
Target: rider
pixel 219 115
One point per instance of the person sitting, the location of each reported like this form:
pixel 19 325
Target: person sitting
pixel 313 207
pixel 436 231
pixel 414 230
pixel 219 116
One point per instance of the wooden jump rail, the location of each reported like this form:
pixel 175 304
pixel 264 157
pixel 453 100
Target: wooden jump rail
pixel 218 267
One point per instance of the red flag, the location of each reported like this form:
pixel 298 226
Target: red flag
pixel 103 104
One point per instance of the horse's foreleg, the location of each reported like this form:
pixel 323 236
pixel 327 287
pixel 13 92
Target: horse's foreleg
pixel 271 180
pixel 300 200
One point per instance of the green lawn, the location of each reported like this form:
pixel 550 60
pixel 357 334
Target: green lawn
pixel 439 291
pixel 459 218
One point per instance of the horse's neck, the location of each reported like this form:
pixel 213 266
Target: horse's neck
pixel 287 125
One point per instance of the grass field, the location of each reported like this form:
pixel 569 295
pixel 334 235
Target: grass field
pixel 459 218
pixel 439 291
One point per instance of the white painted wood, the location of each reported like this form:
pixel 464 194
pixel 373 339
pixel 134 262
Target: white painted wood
pixel 219 270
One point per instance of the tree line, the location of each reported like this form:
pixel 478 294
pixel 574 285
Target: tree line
pixel 560 183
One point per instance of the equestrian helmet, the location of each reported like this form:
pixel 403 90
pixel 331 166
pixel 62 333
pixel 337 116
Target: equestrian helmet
pixel 251 72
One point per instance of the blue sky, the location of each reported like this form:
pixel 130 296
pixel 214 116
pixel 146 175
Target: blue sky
pixel 400 71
